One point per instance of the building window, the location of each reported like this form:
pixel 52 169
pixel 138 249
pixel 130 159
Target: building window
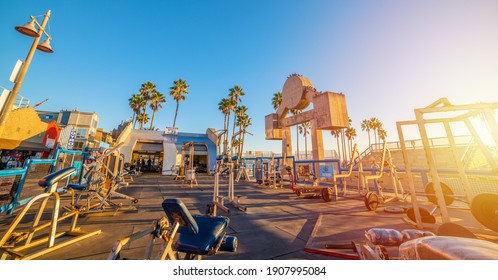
pixel 81 133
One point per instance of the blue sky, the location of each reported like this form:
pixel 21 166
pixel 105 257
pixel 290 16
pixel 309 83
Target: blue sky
pixel 387 57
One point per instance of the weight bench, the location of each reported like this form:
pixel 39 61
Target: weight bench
pixel 192 235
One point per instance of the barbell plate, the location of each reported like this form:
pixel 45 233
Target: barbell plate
pixel 426 217
pixel 371 201
pixel 451 229
pixel 449 196
pixel 484 208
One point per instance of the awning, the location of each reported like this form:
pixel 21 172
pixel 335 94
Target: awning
pixel 10 144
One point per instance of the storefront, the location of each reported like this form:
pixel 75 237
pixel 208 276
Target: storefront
pixel 158 151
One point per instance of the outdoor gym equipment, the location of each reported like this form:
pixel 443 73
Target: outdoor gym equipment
pixel 482 207
pixel 355 157
pixel 103 179
pixel 267 172
pixel 26 245
pixel 320 186
pixel 373 199
pixel 329 113
pixel 187 160
pixel 218 200
pixel 185 236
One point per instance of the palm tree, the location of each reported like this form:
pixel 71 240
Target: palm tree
pixel 337 133
pixel 178 92
pixel 156 100
pixel 366 125
pixel 225 106
pixel 304 128
pixel 375 126
pixel 146 91
pixel 350 134
pixel 276 100
pixel 382 134
pixel 245 122
pixel 136 102
pixel 142 119
pixel 235 93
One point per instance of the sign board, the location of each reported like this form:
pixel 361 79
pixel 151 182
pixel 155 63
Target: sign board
pixel 171 130
pixel 326 171
pixel 15 71
pixel 70 142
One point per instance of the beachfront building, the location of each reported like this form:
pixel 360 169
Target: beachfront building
pixel 84 123
pixel 161 151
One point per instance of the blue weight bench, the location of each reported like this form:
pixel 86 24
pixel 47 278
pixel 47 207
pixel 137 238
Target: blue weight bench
pixel 187 236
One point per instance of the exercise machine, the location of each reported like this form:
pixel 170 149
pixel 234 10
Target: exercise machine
pixel 187 170
pixel 184 236
pixel 35 241
pixel 103 179
pixel 267 173
pixel 218 200
pixel 373 199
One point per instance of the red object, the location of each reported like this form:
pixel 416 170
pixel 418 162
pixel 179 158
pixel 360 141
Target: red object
pixel 50 138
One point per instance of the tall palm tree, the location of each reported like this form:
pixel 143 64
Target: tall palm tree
pixel 225 106
pixel 350 134
pixel 178 91
pixel 245 123
pixel 375 126
pixel 142 119
pixel 136 102
pixel 382 134
pixel 336 133
pixel 235 93
pixel 146 91
pixel 276 100
pixel 304 129
pixel 366 125
pixel 156 100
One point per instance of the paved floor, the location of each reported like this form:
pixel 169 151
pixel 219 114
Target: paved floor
pixel 278 225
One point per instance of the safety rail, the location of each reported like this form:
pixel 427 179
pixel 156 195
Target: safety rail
pixel 20 175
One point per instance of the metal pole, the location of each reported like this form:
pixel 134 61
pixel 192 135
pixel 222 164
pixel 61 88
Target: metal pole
pixel 18 83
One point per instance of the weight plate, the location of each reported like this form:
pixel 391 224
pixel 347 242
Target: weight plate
pixel 327 194
pixel 427 218
pixel 484 208
pixel 451 229
pixel 371 201
pixel 449 197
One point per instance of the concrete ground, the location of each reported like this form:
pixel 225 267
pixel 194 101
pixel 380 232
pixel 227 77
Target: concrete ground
pixel 278 225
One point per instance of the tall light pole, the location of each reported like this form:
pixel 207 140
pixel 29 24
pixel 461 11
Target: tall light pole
pixel 28 29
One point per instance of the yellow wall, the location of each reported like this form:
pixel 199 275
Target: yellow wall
pixel 24 125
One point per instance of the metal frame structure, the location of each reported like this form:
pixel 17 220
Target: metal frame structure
pixel 30 240
pixel 465 112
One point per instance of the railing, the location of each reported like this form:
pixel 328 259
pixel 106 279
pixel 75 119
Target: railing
pixel 15 179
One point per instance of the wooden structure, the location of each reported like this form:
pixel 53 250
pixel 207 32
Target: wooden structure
pixel 329 113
